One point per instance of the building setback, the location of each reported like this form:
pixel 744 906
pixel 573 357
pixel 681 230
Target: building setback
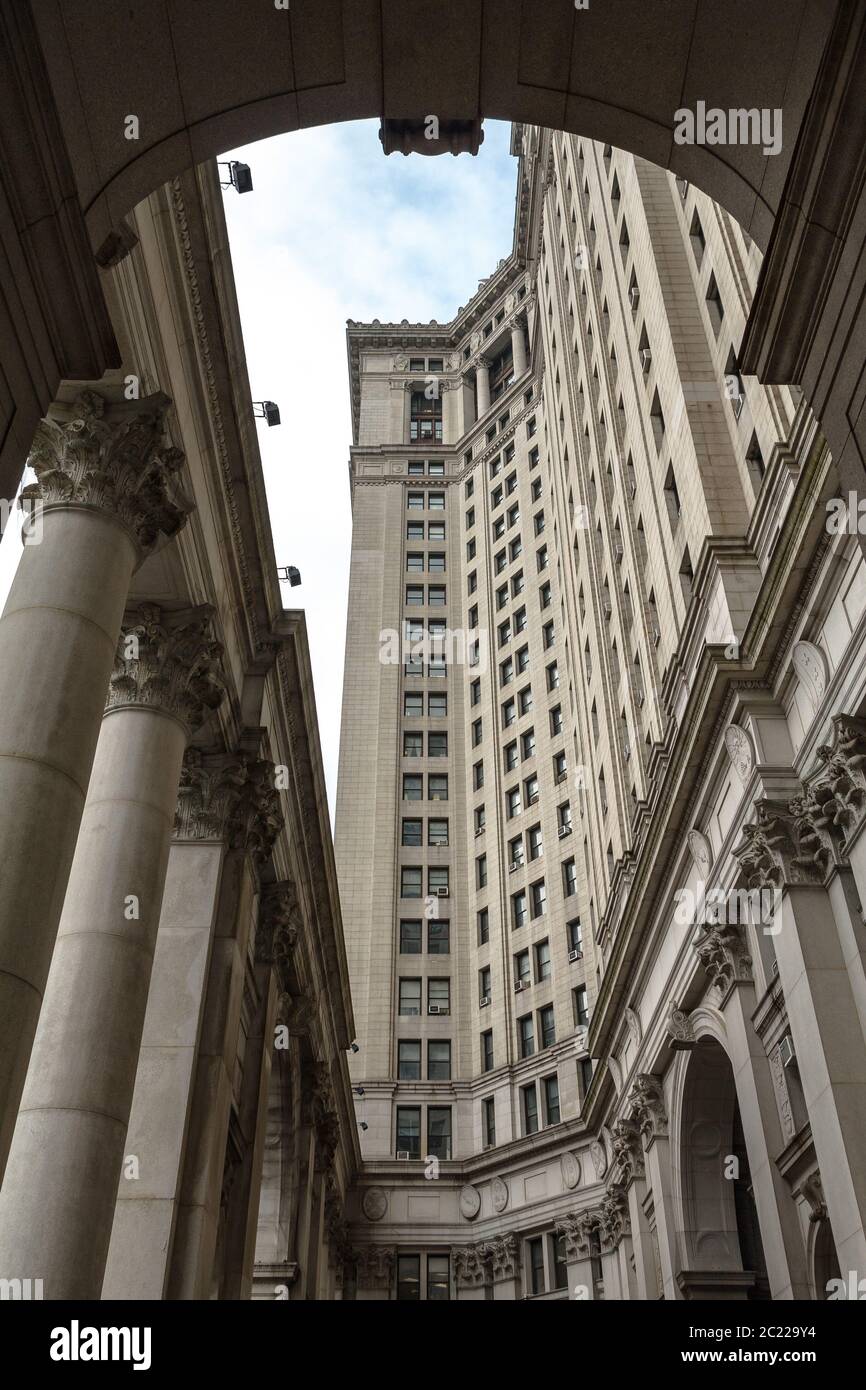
pixel 603 670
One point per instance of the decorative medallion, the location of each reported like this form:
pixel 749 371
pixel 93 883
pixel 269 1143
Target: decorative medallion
pixel 810 665
pixel 570 1168
pixel 470 1202
pixel 599 1158
pixel 499 1194
pixel 741 751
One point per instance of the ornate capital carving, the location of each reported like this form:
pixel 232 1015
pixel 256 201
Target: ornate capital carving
pixel 278 929
pixel 169 662
pixel 469 1266
pixel 648 1106
pixel 257 818
pixel 613 1217
pixel 844 764
pixel 375 1266
pixel 722 951
pixel 210 785
pixel 627 1151
pixel 503 1254
pixel 813 1191
pixel 111 458
pixel 783 846
pixel 320 1111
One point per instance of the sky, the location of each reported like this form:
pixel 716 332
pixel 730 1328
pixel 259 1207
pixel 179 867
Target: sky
pixel 333 230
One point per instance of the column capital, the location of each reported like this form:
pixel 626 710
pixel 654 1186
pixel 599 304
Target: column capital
pixel 844 772
pixel 257 819
pixel 375 1266
pixel 578 1228
pixel 210 784
pixel 627 1151
pixel 648 1107
pixel 503 1255
pixel 469 1266
pixel 167 662
pixel 278 929
pixel 111 457
pixel 787 844
pixel 723 952
pixel 614 1220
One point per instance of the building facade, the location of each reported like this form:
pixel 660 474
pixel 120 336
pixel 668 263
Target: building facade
pixel 601 778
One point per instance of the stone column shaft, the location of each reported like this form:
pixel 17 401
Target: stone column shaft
pixel 518 348
pixel 658 1164
pixel 482 386
pixel 102 488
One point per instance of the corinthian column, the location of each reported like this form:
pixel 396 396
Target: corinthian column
pixel 57 1201
pixel 482 385
pixel 105 488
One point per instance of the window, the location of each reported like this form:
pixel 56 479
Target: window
pixel 410 937
pixel 569 878
pixel 584 1076
pixel 530 787
pixel 436 595
pixel 542 961
pixel 535 1249
pixel 439 1131
pixel 415 503
pixel 512 801
pixel 413 706
pixel 415 531
pixel 480 819
pixel 548 635
pixel 438 936
pixel 715 307
pixel 544 595
pixel 481 871
pixel 488 1119
pixel 535 843
pixel 575 935
pixel 436 564
pixel 410 997
pixel 504 632
pixel 425 418
pixel 409 1130
pixel 484 979
pixel 519 914
pixel 529 1106
pixel 435 529
pixel 409 1061
pixel 563 815
pixel 436 501
pixel 408 1278
pixel 475 691
pixel 437 833
pixel 438 1061
pixel 524 699
pixel 538 899
pixel 526 1036
pixel 521 968
pixel 560 767
pixel 470 549
pixel 487 1050
pixel 502 597
pixel 558 1258
pixel 550 1086
pixel 412 832
pixel 439 995
pixel 472 582
pixel 509 756
pixel 437 706
pixel 482 922
pixel 556 720
pixel 580 1007
pixel 438 1279
pixel 415 562
pixel 509 713
pixel 437 878
pixel 437 786
pixel 413 745
pixel 437 745
pixel 477 732
pixel 520 621
pixel 410 882
pixel 478 776
pixel 501 373
pixel 522 659
pixel 546 1026
pixel 518 584
pixel 506 671
pixel 527 744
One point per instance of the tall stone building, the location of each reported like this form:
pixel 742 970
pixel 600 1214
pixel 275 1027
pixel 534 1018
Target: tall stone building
pixel 601 780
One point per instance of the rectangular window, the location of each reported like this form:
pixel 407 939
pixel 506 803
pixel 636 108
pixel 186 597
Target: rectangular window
pixel 487 1050
pixel 413 706
pixel 439 1131
pixel 436 501
pixel 437 878
pixel 580 1006
pixel 414 595
pixel 575 935
pixel 413 745
pixel 410 882
pixel 546 1027
pixel 536 1262
pixel 415 563
pixel 538 898
pixel 415 530
pixel 484 984
pixel 438 936
pixel 519 915
pixel 410 998
pixel 412 832
pixel 569 878
pixel 488 1117
pixel 551 1100
pixel 436 595
pixel 437 833
pixel 438 1061
pixel 536 848
pixel 529 1106
pixel 408 1278
pixel 526 1035
pixel 410 937
pixel 481 871
pixel 415 501
pixel 437 786
pixel 542 961
pixel 438 1279
pixel 437 745
pixel 409 1061
pixel 439 996
pixel 437 706
pixel 436 564
pixel 483 923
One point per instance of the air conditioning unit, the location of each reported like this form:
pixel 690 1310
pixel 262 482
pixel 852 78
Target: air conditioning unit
pixel 575 955
pixel 479 831
pixel 442 892
pixel 563 831
pixel 634 296
pixel 533 799
pixel 787 1055
pixel 519 985
pixel 484 1002
pixel 403 1153
pixel 514 865
pixel 561 776
pixel 580 1036
pixel 438 1009
pixel 646 357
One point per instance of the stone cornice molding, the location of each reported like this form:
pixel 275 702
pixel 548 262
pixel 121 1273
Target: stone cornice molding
pixel 167 662
pixel 210 785
pixel 112 458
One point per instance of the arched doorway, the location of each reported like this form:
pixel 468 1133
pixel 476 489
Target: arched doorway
pixel 723 1255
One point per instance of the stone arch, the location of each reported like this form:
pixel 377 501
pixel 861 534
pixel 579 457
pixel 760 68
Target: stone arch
pixel 717 1225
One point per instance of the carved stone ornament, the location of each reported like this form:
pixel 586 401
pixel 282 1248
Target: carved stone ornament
pixel 503 1255
pixel 741 751
pixel 296 1013
pixel 375 1265
pixel 257 818
pixel 469 1266
pixel 599 1158
pixel 374 1203
pixel 401 362
pixel 844 772
pixel 633 1024
pixel 278 929
pixel 810 664
pixel 614 1222
pixel 680 1029
pixel 210 784
pixel 783 846
pixel 627 1151
pixel 499 1194
pixel 111 458
pixel 813 1190
pixel 470 1202
pixel 723 953
pixel 783 1099
pixel 569 1165
pixel 702 854
pixel 648 1106
pixel 581 1231
pixel 169 662
pixel 615 1070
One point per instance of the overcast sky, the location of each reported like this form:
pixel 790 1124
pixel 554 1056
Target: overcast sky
pixel 335 230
